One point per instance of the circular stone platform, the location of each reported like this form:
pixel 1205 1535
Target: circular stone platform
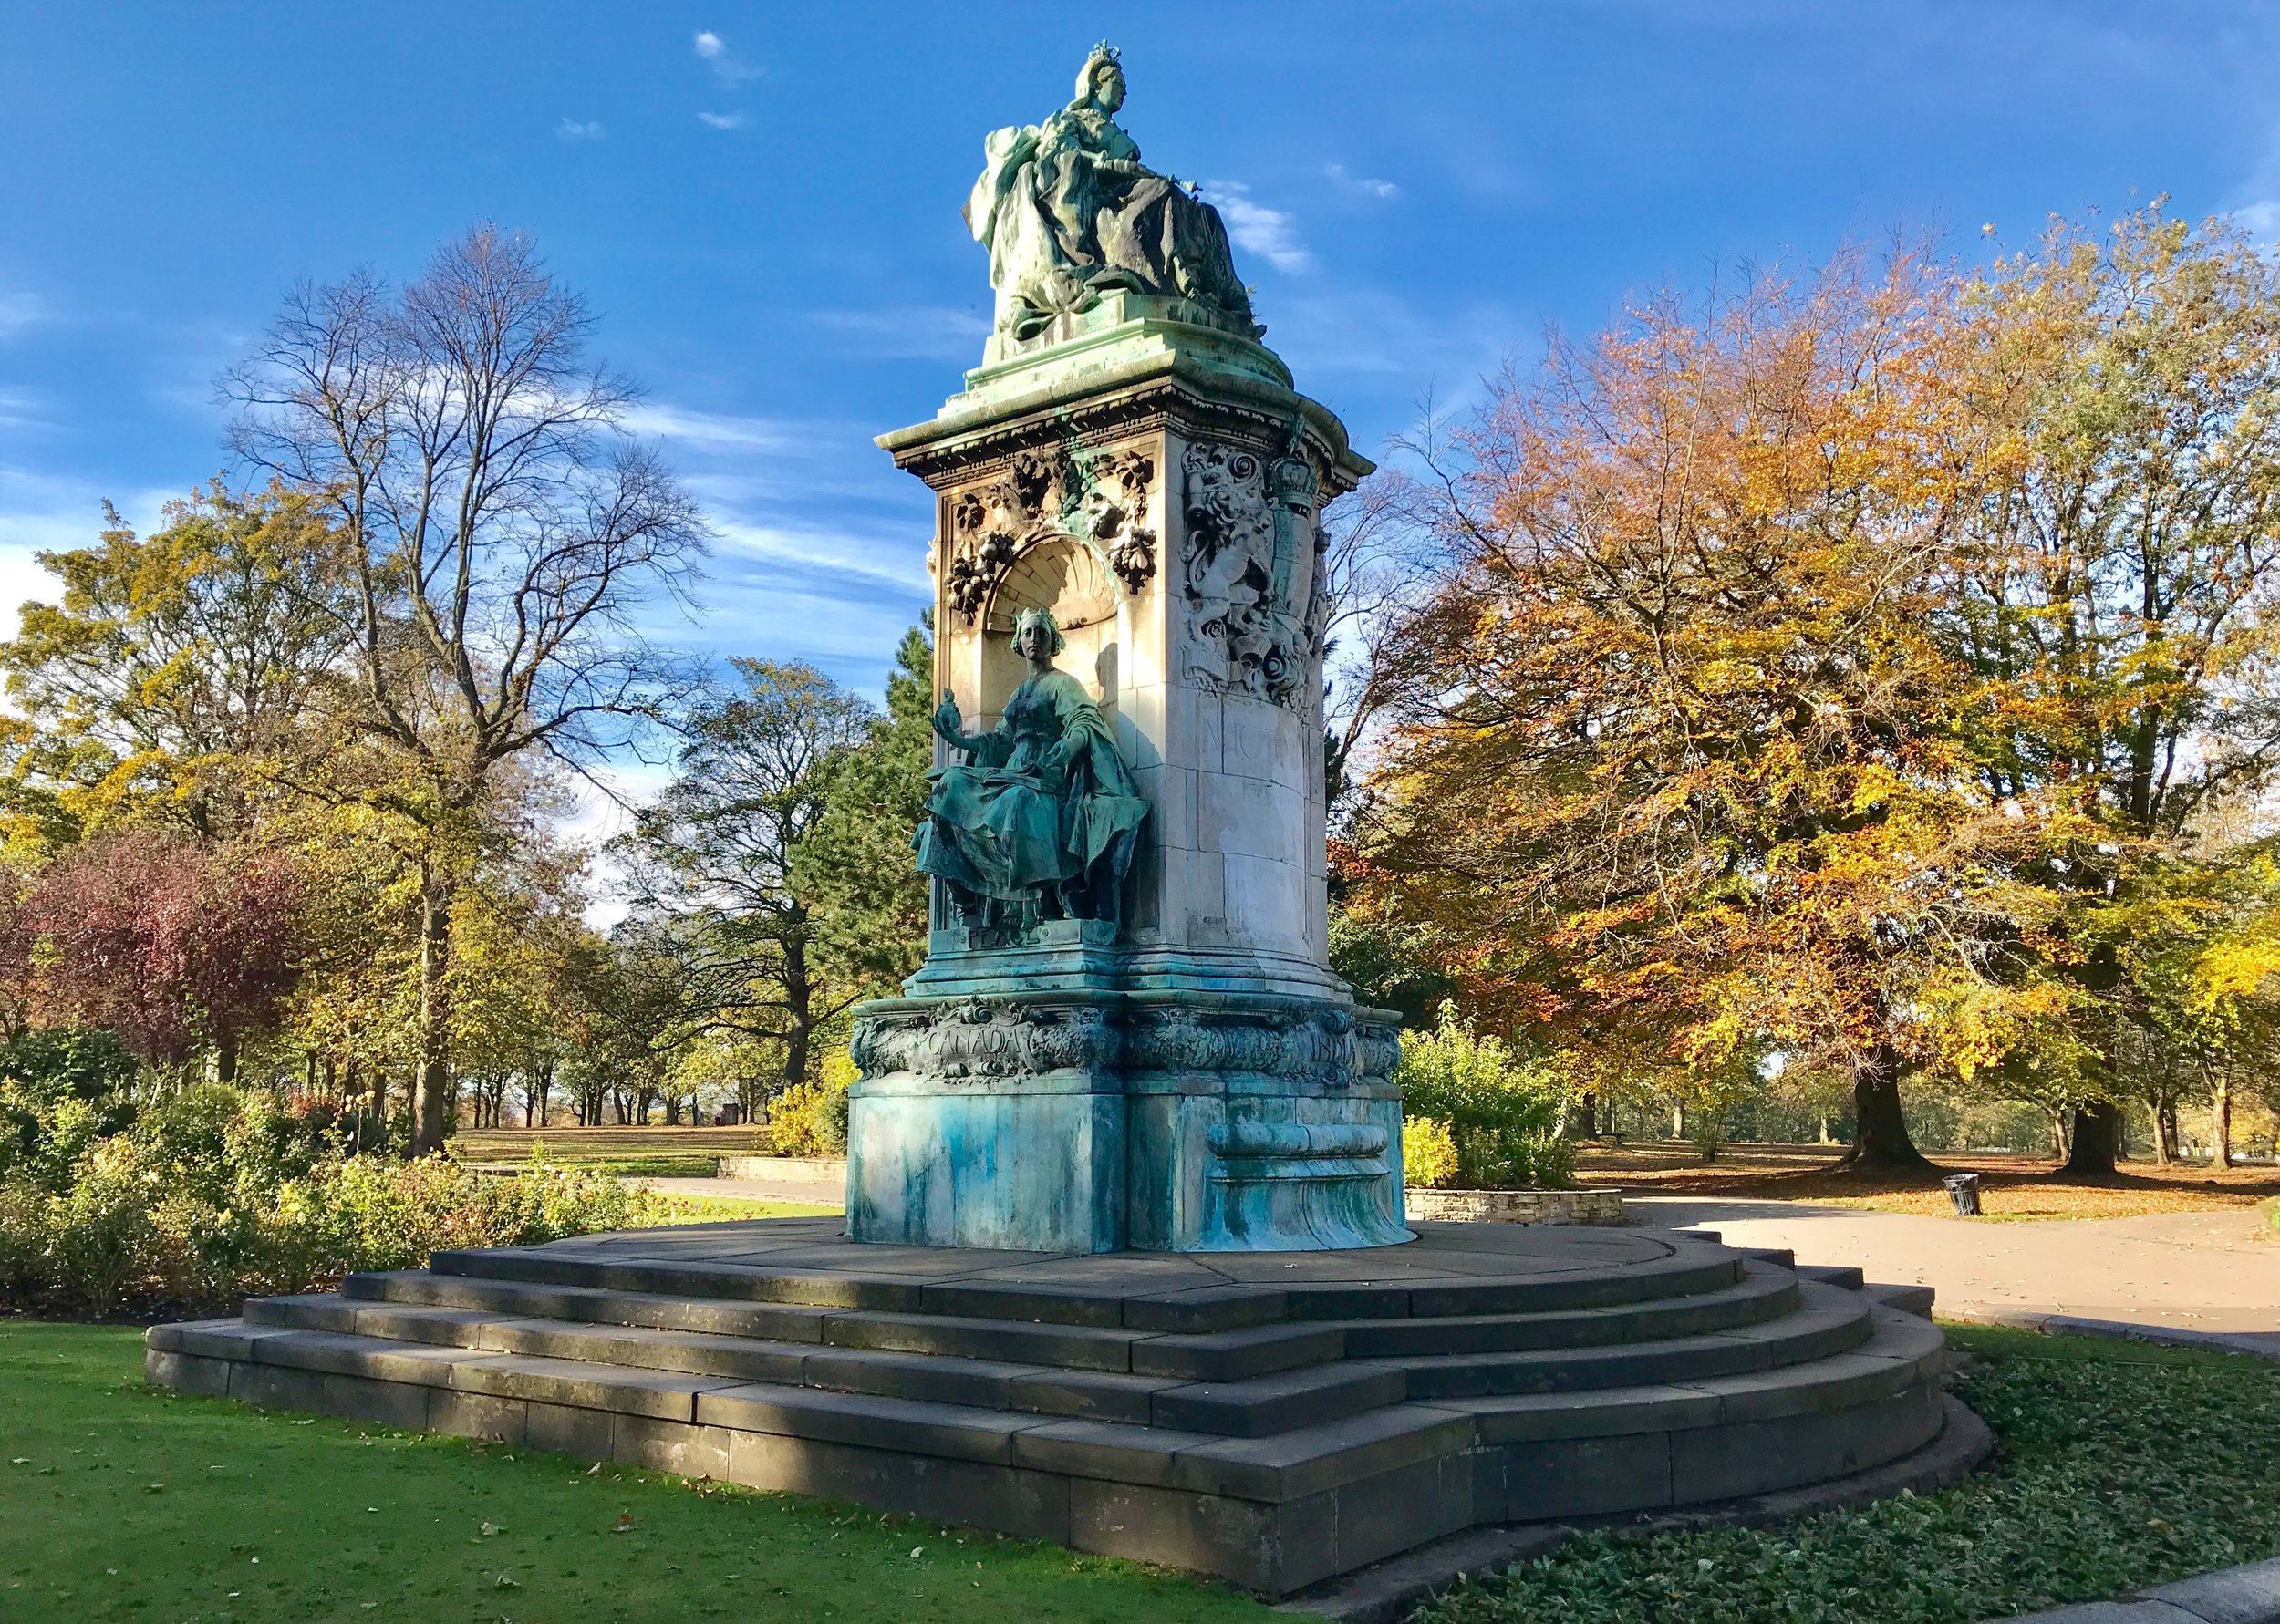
pixel 1272 1418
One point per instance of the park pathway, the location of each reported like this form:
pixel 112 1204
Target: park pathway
pixel 2203 1271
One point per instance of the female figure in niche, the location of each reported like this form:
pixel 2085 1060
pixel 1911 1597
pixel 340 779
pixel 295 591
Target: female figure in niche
pixel 1039 819
pixel 1069 213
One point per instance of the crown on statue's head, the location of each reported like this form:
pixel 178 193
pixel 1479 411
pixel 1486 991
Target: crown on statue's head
pixel 1103 55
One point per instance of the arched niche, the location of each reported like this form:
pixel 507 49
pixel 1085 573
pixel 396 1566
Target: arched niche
pixel 1061 573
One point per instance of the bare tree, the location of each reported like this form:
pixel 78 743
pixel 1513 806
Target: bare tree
pixel 505 533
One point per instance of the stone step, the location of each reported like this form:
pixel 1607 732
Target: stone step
pixel 1253 1405
pixel 1691 1270
pixel 1830 1321
pixel 1905 1299
pixel 1763 1294
pixel 1272 1419
pixel 1225 1356
pixel 1900 1352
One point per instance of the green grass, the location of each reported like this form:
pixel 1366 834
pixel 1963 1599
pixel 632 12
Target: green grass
pixel 2122 1465
pixel 722 1209
pixel 120 1501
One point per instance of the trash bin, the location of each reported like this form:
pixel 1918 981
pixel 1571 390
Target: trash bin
pixel 1962 1189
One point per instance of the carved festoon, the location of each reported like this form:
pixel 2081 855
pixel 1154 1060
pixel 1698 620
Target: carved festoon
pixel 982 1037
pixel 1252 573
pixel 1098 497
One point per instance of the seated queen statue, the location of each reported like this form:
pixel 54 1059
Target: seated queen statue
pixel 1069 213
pixel 1039 819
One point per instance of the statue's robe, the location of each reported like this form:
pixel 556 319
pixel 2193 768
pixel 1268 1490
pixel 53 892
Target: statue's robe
pixel 1041 799
pixel 1069 213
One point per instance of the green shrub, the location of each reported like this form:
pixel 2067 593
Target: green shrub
pixel 1502 1110
pixel 1428 1154
pixel 810 1119
pixel 216 1195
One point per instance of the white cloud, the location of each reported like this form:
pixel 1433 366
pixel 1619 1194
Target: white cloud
pixel 2260 220
pixel 572 130
pixel 721 120
pixel 20 409
pixel 716 431
pixel 18 311
pixel 1268 232
pixel 727 67
pixel 1362 185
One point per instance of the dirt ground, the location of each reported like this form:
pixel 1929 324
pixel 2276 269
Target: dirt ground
pixel 2010 1186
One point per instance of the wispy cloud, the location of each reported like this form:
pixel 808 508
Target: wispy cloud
pixel 20 409
pixel 573 130
pixel 715 431
pixel 727 67
pixel 1268 232
pixel 721 120
pixel 911 332
pixel 18 311
pixel 1361 185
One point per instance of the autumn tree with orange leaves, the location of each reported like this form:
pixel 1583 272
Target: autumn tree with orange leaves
pixel 1680 765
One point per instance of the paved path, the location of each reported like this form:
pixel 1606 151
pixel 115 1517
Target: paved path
pixel 2207 1271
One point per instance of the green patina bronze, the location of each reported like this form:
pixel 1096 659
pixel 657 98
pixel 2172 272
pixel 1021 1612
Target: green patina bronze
pixel 1039 821
pixel 1071 215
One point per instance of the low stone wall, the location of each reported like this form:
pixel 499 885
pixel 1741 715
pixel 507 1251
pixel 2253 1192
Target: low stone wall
pixel 826 1173
pixel 1516 1206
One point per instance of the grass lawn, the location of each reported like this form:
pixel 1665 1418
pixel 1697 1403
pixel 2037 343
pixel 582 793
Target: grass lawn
pixel 120 1501
pixel 722 1209
pixel 2120 1466
pixel 2017 1187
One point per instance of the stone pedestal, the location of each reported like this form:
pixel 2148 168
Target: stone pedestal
pixel 1190 1076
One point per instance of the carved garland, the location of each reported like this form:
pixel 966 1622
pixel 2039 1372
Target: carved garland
pixel 983 1038
pixel 1044 492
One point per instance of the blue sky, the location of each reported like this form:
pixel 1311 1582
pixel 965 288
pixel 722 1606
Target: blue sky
pixel 762 202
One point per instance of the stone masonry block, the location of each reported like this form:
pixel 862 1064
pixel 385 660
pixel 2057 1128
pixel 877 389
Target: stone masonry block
pixel 476 1415
pixel 1728 1460
pixel 672 1446
pixel 909 1425
pixel 1559 1477
pixel 1273 1548
pixel 559 1429
pixel 187 1373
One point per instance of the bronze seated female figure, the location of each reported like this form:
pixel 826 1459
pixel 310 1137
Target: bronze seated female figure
pixel 1039 819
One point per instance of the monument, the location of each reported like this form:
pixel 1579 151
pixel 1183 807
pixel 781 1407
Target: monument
pixel 1126 1033
pixel 1139 1145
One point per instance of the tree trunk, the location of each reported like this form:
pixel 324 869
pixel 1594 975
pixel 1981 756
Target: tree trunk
pixel 432 1097
pixel 2097 1139
pixel 799 999
pixel 1825 1136
pixel 1678 1121
pixel 1881 1143
pixel 2220 1125
pixel 226 1060
pixel 2164 1139
pixel 1587 1112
